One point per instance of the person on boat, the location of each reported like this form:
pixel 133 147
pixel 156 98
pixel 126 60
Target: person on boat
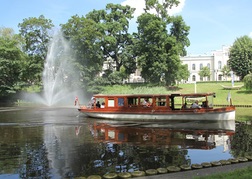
pixel 103 105
pixel 196 104
pixel 185 106
pixel 92 101
pixel 146 102
pixel 98 105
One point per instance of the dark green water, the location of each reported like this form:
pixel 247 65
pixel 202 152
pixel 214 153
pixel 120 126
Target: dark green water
pixel 60 143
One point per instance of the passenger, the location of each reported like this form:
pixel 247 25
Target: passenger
pixel 98 105
pixel 103 105
pixel 185 106
pixel 196 104
pixel 204 104
pixel 92 101
pixel 146 102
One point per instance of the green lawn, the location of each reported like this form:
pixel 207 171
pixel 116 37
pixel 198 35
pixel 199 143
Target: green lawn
pixel 239 97
pixel 244 173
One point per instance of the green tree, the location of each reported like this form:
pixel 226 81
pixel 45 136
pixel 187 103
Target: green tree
pixel 157 51
pixel 116 42
pixel 183 73
pixel 240 57
pixel 85 40
pixel 178 27
pixel 248 82
pixel 204 72
pixel 11 62
pixel 36 35
pixel 226 71
pixel 102 37
pixel 160 41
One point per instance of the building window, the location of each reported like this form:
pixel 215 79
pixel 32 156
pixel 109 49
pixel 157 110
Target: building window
pixel 219 77
pixel 201 66
pixel 219 65
pixel 193 78
pixel 201 78
pixel 208 65
pixel 193 66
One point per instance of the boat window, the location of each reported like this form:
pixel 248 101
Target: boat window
pixel 132 101
pixel 120 102
pixel 176 102
pixel 111 103
pixel 203 102
pixel 146 101
pixel 161 101
pixel 111 134
pixel 101 101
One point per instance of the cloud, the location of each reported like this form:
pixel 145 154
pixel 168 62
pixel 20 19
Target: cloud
pixel 140 5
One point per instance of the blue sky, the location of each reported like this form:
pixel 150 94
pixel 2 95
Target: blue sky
pixel 213 23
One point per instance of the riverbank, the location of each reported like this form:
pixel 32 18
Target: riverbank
pixel 202 173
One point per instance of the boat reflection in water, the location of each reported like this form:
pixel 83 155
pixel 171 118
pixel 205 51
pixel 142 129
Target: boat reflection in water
pixel 187 135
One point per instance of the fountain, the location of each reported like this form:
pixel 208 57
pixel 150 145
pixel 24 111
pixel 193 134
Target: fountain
pixel 60 78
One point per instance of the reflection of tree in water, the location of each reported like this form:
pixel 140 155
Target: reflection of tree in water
pixel 22 150
pixel 110 157
pixel 37 164
pixel 241 144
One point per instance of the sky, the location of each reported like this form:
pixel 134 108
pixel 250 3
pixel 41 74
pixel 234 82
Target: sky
pixel 213 23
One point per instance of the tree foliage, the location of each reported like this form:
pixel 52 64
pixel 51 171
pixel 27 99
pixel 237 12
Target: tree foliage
pixel 183 73
pixel 36 33
pixel 85 37
pixel 226 71
pixel 248 82
pixel 204 72
pixel 102 36
pixel 116 42
pixel 157 47
pixel 240 57
pixel 11 62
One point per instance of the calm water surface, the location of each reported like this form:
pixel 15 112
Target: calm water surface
pixel 60 143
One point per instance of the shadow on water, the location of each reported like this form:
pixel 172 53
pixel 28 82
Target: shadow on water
pixel 56 143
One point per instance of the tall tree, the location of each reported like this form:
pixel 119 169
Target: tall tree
pixel 102 36
pixel 240 57
pixel 160 41
pixel 36 35
pixel 85 37
pixel 11 61
pixel 116 38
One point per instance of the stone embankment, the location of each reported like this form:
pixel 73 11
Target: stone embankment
pixel 183 171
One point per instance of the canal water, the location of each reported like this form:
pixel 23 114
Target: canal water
pixel 41 142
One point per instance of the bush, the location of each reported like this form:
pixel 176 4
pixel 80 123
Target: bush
pixel 248 82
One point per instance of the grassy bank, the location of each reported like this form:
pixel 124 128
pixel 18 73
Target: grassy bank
pixel 239 97
pixel 244 173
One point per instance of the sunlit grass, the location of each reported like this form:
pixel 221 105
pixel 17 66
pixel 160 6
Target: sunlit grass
pixel 239 97
pixel 244 173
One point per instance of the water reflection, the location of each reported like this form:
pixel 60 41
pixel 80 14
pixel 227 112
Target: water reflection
pixel 54 143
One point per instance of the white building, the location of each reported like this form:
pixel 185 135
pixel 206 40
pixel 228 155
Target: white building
pixel 214 62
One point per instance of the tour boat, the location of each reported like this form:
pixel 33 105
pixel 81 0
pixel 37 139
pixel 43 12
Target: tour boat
pixel 157 107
